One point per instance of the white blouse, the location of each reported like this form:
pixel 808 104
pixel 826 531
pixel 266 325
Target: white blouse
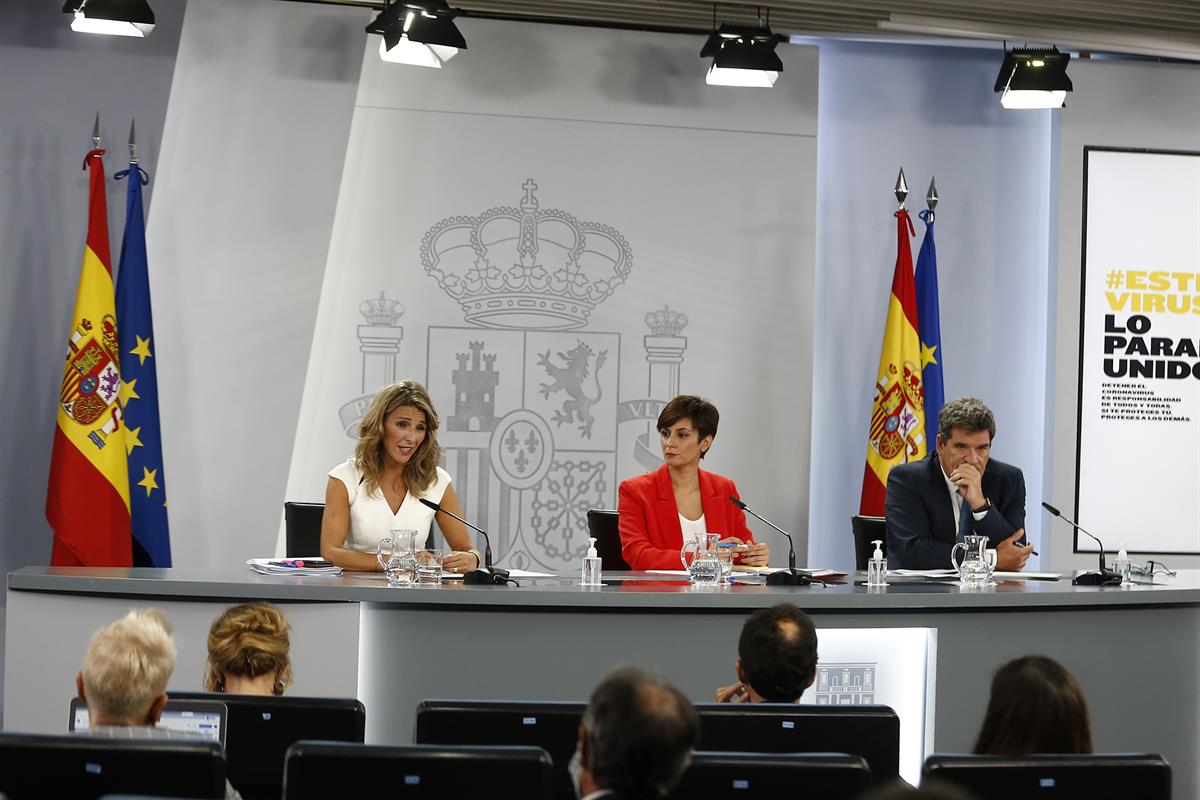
pixel 371 518
pixel 692 527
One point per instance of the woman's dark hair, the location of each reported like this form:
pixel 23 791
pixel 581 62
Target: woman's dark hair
pixel 702 413
pixel 1036 707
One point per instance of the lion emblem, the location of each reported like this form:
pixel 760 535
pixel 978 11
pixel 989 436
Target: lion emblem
pixel 570 377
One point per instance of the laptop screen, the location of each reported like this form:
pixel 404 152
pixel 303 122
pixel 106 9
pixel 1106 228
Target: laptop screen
pixel 200 717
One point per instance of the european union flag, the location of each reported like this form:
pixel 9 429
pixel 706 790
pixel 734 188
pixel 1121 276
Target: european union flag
pixel 929 325
pixel 143 432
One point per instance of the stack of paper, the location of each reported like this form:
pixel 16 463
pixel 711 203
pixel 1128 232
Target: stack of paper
pixel 293 566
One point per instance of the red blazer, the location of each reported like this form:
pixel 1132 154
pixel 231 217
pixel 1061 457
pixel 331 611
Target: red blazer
pixel 648 518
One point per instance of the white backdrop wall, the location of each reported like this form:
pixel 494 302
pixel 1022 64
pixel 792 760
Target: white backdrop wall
pixel 703 195
pixel 931 110
pixel 247 181
pixel 1115 104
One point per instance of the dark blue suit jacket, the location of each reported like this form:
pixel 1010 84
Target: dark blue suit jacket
pixel 920 524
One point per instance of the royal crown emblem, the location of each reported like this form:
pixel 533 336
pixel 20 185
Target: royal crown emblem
pixel 666 322
pixel 526 268
pixel 380 311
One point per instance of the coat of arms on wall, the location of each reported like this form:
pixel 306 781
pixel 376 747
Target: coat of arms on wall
pixel 528 394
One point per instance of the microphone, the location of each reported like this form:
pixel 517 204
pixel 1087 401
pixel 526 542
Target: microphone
pixel 1105 577
pixel 487 573
pixel 791 577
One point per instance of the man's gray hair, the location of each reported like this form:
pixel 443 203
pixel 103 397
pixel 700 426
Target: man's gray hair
pixel 127 666
pixel 640 732
pixel 967 413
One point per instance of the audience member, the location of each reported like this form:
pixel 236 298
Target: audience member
pixel 777 657
pixel 124 679
pixel 248 651
pixel 1036 707
pixel 636 738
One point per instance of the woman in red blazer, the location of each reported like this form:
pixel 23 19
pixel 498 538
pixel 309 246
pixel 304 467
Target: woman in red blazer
pixel 654 508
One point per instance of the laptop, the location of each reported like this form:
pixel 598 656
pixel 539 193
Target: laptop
pixel 206 718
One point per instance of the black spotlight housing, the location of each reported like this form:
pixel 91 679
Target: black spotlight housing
pixel 1034 78
pixel 743 55
pixel 118 17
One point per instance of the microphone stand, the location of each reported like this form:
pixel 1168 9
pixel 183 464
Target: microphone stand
pixel 1105 577
pixel 791 577
pixel 488 574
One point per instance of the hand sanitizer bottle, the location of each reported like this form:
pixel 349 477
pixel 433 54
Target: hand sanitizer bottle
pixel 1122 566
pixel 591 566
pixel 877 566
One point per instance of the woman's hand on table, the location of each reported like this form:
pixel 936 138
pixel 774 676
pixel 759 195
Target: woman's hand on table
pixel 755 555
pixel 461 561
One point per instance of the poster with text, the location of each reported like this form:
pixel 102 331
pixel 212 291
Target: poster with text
pixel 1139 425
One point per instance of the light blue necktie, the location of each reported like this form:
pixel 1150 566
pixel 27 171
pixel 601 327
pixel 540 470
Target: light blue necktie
pixel 965 519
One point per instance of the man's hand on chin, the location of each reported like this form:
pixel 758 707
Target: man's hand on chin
pixel 1010 556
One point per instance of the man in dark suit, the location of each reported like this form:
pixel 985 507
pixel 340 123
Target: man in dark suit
pixel 959 489
pixel 636 738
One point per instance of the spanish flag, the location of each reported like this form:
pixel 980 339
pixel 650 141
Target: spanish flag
pixel 87 503
pixel 897 431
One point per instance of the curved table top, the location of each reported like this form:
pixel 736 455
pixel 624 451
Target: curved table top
pixel 622 591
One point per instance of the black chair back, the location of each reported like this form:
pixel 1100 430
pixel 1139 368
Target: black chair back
pixel 321 770
pixel 1144 776
pixel 602 526
pixel 260 730
pixel 87 767
pixel 554 727
pixel 302 528
pixel 872 732
pixel 760 776
pixel 866 530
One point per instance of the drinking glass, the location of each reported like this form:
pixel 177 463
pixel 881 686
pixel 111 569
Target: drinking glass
pixel 429 567
pixel 725 551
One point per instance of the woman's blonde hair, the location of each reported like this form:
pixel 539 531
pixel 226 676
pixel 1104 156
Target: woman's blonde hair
pixel 249 640
pixel 421 470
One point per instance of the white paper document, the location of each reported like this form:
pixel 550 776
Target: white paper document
pixel 1028 576
pixel 922 573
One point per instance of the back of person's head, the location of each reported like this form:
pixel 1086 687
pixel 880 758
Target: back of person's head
pixel 1036 706
pixel 778 652
pixel 127 666
pixel 249 641
pixel 640 731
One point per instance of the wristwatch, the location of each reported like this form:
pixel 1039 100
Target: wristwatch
pixel 987 506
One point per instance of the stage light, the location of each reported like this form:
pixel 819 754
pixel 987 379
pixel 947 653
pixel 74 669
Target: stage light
pixel 1034 79
pixel 111 17
pixel 420 33
pixel 743 55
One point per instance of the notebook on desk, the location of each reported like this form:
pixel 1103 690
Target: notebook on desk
pixel 205 718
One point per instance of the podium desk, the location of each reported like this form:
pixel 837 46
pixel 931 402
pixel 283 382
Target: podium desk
pixel 1135 651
